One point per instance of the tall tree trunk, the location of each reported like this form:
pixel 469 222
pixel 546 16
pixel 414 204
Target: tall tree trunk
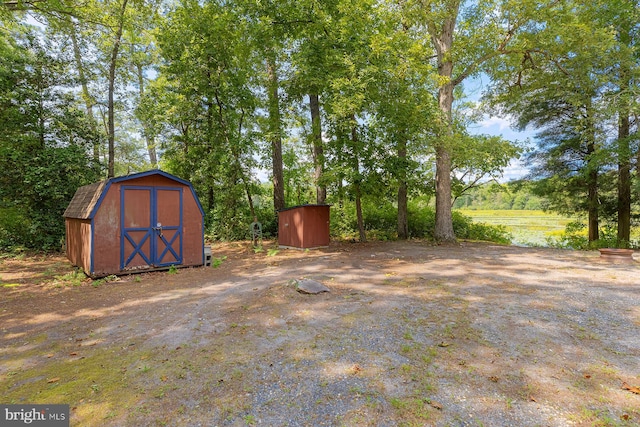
pixel 444 220
pixel 356 183
pixel 340 183
pixel 151 144
pixel 41 108
pixel 624 148
pixel 624 180
pixel 593 204
pixel 238 170
pixel 403 221
pixel 442 38
pixel 592 208
pixel 361 231
pixel 318 150
pixel 275 133
pixel 86 96
pixel 211 202
pixel 247 190
pixel 112 84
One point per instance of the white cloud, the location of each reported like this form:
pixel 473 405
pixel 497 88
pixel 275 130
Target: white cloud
pixel 515 170
pixel 493 122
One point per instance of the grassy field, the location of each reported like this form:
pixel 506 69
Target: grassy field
pixel 528 228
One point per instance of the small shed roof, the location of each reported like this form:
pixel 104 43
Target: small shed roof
pixel 87 197
pixel 303 206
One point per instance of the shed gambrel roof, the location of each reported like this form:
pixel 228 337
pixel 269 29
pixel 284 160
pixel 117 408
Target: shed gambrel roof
pixel 86 199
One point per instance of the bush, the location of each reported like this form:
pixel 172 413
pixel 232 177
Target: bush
pixel 14 229
pixel 381 223
pixel 422 221
pixel 342 221
pixel 32 215
pixel 575 237
pixel 227 228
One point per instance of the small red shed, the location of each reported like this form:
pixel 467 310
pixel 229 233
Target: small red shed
pixel 304 227
pixel 144 221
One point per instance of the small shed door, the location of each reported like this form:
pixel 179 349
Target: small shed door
pixel 151 227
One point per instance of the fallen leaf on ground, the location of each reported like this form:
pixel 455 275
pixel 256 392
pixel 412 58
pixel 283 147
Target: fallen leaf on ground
pixel 533 399
pixel 632 389
pixel 53 380
pixel 625 417
pixel 73 353
pixel 444 344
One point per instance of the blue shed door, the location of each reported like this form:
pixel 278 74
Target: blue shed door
pixel 151 223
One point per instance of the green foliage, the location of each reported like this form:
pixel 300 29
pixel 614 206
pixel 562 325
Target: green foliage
pixel 466 229
pixel 222 226
pixel 217 262
pixel 575 237
pixel 43 150
pixel 478 158
pixel 577 93
pixel 381 223
pixel 208 92
pixel 341 220
pixel 14 228
pixel 511 196
pixel 298 188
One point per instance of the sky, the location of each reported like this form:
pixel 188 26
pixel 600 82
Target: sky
pixel 497 126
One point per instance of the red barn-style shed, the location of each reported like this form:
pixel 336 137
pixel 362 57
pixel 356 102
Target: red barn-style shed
pixel 304 227
pixel 144 221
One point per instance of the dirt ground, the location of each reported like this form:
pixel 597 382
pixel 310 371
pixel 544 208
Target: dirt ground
pixel 410 334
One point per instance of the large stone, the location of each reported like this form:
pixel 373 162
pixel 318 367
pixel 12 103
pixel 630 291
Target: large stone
pixel 307 286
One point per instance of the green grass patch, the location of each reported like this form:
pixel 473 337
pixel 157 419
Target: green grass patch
pixel 72 278
pixel 217 262
pixel 95 385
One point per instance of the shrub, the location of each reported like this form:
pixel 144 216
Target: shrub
pixel 381 223
pixel 222 226
pixel 575 237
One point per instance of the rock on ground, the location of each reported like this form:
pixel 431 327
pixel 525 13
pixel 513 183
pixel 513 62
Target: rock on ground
pixel 307 286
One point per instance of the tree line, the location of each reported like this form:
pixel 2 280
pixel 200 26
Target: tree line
pixel 357 103
pixel 516 195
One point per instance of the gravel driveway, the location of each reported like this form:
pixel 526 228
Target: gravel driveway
pixel 410 334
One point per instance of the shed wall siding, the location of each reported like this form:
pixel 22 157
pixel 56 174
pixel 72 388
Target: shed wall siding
pixel 79 242
pixel 106 229
pixel 316 227
pixel 193 238
pixel 304 227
